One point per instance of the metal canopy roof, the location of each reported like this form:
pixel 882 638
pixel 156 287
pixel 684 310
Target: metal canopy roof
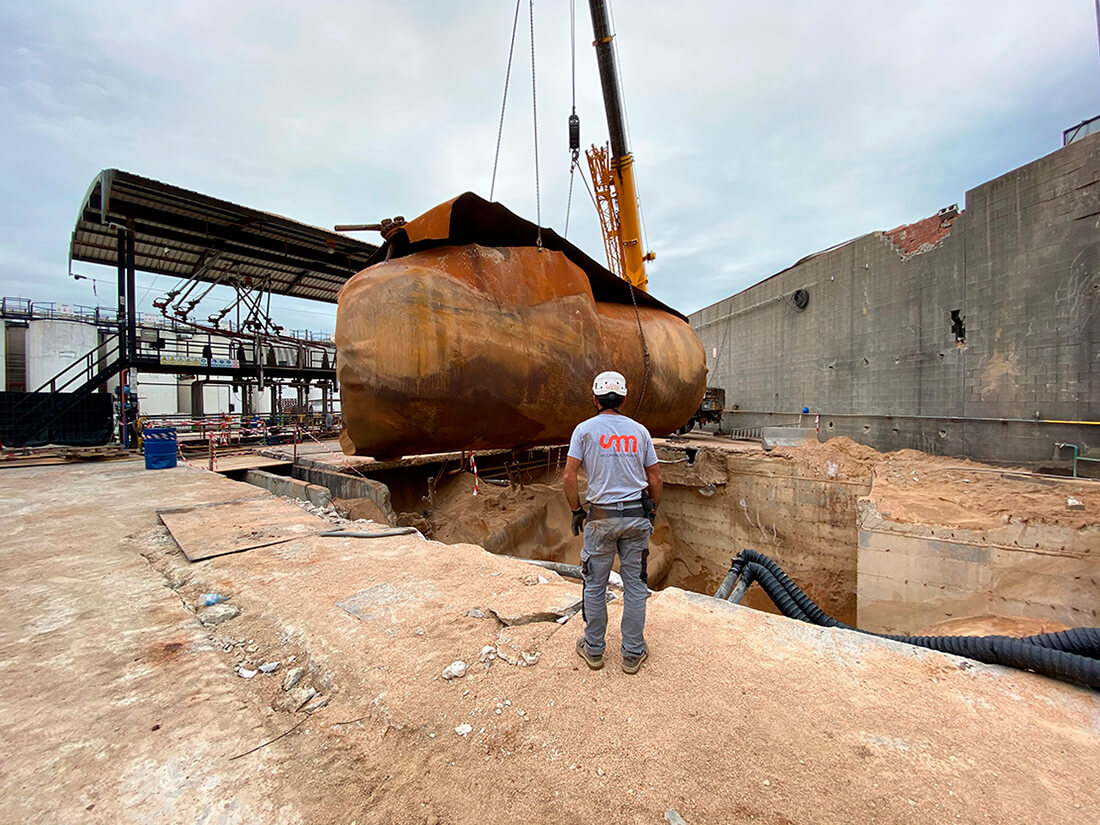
pixel 189 235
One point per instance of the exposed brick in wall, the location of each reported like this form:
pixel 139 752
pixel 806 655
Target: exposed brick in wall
pixel 923 235
pixel 1021 265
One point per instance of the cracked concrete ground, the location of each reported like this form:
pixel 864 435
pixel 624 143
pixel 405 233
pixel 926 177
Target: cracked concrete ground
pixel 118 705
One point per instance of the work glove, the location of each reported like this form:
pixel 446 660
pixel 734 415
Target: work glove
pixel 650 508
pixel 579 515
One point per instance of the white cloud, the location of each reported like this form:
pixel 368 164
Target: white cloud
pixel 762 132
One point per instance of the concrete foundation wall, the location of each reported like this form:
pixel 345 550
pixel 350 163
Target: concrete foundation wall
pixel 343 485
pixel 860 568
pixel 1021 265
pixel 290 487
pixel 913 576
pixel 725 502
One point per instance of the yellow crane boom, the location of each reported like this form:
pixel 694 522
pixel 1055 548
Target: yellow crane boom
pixel 614 176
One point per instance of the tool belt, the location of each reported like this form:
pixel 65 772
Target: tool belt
pixel 623 509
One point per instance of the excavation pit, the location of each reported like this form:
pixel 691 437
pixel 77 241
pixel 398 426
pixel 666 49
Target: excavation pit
pixel 893 543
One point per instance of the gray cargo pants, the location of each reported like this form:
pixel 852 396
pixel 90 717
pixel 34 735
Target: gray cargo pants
pixel 602 539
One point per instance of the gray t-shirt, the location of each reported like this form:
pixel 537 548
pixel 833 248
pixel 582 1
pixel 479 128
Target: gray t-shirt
pixel 615 451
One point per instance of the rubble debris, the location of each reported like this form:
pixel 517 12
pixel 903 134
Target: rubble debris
pixel 1074 504
pixel 245 673
pixel 269 667
pixel 546 604
pixel 293 678
pixel 464 729
pixel 455 670
pixel 316 705
pixel 218 613
pixel 293 699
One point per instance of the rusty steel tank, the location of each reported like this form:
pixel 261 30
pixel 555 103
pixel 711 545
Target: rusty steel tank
pixel 464 334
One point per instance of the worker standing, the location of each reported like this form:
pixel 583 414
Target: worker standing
pixel 621 466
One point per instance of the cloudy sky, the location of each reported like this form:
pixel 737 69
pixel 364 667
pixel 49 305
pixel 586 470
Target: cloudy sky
pixel 762 131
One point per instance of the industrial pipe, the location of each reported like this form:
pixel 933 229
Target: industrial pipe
pixel 1071 655
pixel 397 531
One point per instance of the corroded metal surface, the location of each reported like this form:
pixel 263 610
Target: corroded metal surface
pixel 476 347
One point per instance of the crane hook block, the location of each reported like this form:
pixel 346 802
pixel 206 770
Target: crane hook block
pixel 574 132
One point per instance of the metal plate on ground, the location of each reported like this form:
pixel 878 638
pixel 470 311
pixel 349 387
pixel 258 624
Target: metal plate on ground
pixel 209 530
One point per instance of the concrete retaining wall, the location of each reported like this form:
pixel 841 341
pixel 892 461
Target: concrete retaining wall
pixel 911 576
pixel 345 485
pixel 290 487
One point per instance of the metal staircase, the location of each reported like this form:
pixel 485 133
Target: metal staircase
pixel 31 419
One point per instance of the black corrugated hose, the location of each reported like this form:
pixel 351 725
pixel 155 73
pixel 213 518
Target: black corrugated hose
pixel 1071 655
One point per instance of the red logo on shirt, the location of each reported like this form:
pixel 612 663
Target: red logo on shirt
pixel 621 443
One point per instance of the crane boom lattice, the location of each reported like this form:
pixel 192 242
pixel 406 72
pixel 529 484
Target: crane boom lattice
pixel 603 182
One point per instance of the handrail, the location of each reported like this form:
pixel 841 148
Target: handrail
pixel 24 308
pixel 88 363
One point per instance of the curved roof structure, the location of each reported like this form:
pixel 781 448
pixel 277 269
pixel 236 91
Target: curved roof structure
pixel 186 234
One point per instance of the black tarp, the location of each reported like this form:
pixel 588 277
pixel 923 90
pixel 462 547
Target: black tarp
pixel 89 423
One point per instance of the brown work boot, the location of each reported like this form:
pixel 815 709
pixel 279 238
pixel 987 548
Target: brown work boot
pixel 594 662
pixel 631 664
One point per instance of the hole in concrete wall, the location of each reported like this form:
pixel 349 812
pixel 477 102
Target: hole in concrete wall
pixel 866 428
pixel 958 327
pixel 943 433
pixel 830 425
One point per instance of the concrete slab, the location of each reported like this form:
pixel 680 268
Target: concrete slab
pixel 773 437
pixel 208 530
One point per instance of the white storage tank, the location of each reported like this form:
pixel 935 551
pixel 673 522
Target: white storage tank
pixel 54 345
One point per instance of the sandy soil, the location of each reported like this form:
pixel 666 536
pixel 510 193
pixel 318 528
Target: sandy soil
pixel 118 706
pixel 990 625
pixel 916 488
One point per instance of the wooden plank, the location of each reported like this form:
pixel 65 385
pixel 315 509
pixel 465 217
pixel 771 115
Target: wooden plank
pixel 209 530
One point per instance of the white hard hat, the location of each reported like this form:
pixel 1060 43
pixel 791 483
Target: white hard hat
pixel 609 381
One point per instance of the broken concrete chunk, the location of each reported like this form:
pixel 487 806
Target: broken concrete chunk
pixel 218 613
pixel 476 614
pixel 455 670
pixel 293 699
pixel 673 817
pixel 547 603
pixel 772 437
pixel 1074 504
pixel 269 667
pixel 293 677
pixel 245 673
pixel 464 729
pixel 487 653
